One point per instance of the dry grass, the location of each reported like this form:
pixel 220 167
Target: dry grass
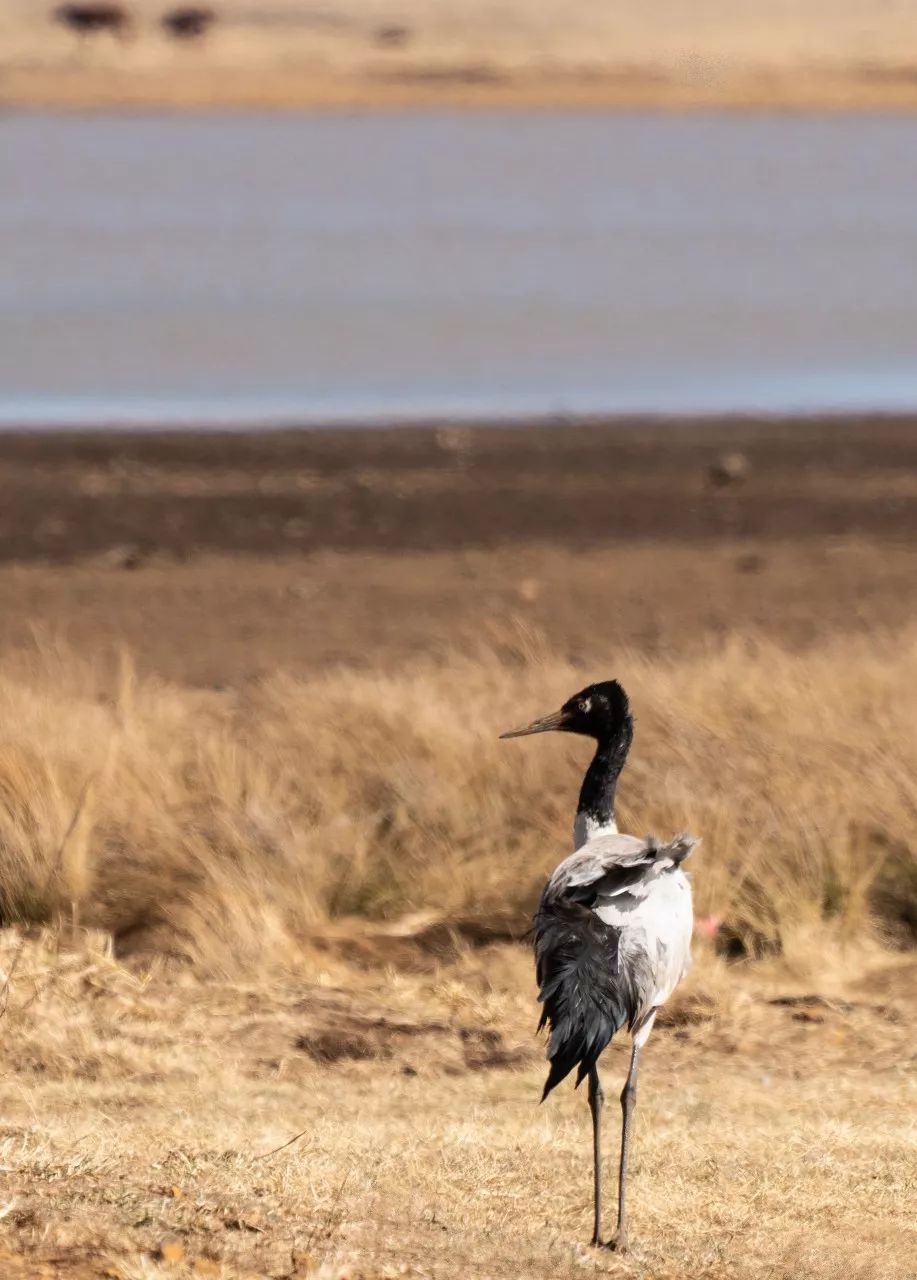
pixel 146 1123
pixel 229 828
pixel 146 1104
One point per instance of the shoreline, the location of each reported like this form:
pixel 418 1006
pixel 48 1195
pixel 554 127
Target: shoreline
pixel 881 90
pixel 707 423
pixel 447 485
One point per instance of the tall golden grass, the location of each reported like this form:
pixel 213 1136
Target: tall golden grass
pixel 226 828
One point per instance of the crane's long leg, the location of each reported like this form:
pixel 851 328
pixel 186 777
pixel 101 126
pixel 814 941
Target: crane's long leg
pixel 596 1098
pixel 628 1098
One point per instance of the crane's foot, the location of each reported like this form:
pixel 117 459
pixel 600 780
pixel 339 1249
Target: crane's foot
pixel 618 1242
pixel 597 1242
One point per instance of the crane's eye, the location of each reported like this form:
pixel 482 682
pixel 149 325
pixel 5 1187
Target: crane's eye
pixel 584 705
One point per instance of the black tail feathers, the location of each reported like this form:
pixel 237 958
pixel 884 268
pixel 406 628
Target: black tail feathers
pixel 586 1001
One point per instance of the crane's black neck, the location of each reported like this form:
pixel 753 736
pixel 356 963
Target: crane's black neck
pixel 596 808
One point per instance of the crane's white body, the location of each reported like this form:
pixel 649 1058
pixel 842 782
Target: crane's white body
pixel 660 922
pixel 637 888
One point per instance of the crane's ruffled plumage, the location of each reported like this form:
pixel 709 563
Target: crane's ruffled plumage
pixel 612 938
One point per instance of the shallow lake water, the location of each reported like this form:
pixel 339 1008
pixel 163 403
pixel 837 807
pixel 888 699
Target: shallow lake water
pixel 277 268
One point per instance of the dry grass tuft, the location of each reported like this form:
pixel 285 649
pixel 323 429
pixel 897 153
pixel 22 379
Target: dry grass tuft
pixel 229 829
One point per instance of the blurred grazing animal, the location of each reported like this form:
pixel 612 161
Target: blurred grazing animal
pixel 612 931
pixel 90 19
pixel 189 23
pixel 393 36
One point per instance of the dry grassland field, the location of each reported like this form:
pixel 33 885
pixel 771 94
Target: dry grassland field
pixel 267 1008
pixel 672 54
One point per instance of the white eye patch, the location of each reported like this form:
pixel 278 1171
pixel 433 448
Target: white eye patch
pixel 585 705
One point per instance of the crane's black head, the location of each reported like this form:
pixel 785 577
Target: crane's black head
pixel 599 711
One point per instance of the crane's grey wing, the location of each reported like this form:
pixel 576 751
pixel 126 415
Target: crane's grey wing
pixel 612 864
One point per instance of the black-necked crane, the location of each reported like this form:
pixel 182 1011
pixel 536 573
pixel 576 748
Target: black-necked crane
pixel 612 933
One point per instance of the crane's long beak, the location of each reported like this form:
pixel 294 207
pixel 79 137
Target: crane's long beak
pixel 556 720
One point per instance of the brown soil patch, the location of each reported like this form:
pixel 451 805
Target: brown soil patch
pixel 218 558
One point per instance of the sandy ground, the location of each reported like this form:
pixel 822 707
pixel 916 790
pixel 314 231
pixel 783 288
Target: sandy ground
pixel 839 54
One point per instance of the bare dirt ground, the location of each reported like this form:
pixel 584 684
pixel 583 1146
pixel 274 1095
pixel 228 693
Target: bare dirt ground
pixel 278 915
pixel 807 54
pixel 218 558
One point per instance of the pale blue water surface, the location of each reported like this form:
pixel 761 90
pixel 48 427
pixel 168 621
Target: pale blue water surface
pixel 244 269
